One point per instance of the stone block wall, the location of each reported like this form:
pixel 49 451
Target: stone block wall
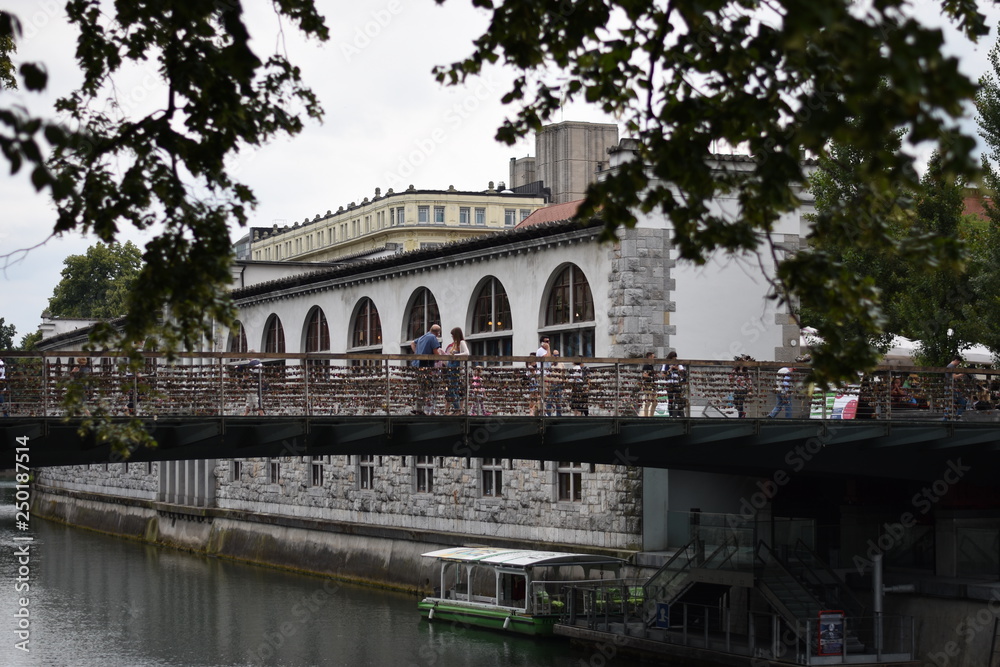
pixel 639 303
pixel 129 480
pixel 608 514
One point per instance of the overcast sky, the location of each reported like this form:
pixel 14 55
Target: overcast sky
pixel 388 123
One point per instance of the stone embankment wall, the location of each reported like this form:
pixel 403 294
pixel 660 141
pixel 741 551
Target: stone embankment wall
pixel 312 514
pixel 129 480
pixel 607 516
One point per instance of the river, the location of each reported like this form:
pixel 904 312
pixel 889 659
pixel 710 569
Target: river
pixel 92 599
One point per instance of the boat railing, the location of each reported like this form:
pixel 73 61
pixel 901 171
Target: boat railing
pixel 608 598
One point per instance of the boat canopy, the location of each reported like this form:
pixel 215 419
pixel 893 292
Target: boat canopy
pixel 519 558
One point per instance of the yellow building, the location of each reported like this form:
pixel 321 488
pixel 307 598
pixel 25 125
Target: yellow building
pixel 394 222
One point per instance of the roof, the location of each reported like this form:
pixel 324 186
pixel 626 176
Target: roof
pixel 519 557
pixel 497 239
pixel 552 213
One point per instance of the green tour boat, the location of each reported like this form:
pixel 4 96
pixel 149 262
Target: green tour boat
pixel 509 589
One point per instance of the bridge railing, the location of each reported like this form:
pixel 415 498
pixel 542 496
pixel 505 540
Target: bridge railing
pixel 214 384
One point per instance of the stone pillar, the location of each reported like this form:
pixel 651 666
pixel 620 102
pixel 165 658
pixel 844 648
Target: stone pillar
pixel 639 299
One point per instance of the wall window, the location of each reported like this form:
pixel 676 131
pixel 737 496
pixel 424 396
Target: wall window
pixel 492 478
pixel 235 470
pixel 439 215
pixel 423 214
pixel 273 471
pixel 525 212
pixel 316 471
pixel 317 331
pixel 274 335
pixel 392 217
pixel 490 315
pixel 237 338
pixel 366 471
pixel 464 217
pixel 492 309
pixel 480 216
pixel 423 313
pixel 400 216
pixel 367 330
pixel 424 466
pixel 509 217
pixel 570 477
pixel 571 305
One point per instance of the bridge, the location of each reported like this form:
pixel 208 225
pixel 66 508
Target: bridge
pixel 229 405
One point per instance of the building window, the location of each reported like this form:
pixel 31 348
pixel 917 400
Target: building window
pixel 509 217
pixel 463 215
pixel 274 336
pixel 367 330
pixel 525 212
pixel 570 477
pixel 571 305
pixel 316 478
pixel 366 472
pixel 423 313
pixel 492 478
pixel 492 310
pixel 392 217
pixel 237 338
pixel 425 474
pixel 235 470
pixel 439 215
pixel 273 471
pixel 423 214
pixel 317 331
pixel 480 216
pixel 400 216
pixel 491 314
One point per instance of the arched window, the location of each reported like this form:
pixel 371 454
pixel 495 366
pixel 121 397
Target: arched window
pixel 367 329
pixel 317 331
pixel 274 335
pixel 490 316
pixel 423 313
pixel 570 301
pixel 569 314
pixel 237 338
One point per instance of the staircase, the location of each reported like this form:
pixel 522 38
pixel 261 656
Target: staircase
pixel 798 588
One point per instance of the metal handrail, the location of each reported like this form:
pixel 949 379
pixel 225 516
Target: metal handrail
pixel 317 384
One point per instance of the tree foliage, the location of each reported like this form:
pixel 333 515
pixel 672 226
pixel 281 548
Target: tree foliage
pixel 30 341
pixel 938 306
pixel 834 185
pixel 986 242
pixel 165 169
pixel 782 79
pixel 7 333
pixel 98 284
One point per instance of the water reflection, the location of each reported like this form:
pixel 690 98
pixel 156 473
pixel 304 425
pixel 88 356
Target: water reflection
pixel 98 600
